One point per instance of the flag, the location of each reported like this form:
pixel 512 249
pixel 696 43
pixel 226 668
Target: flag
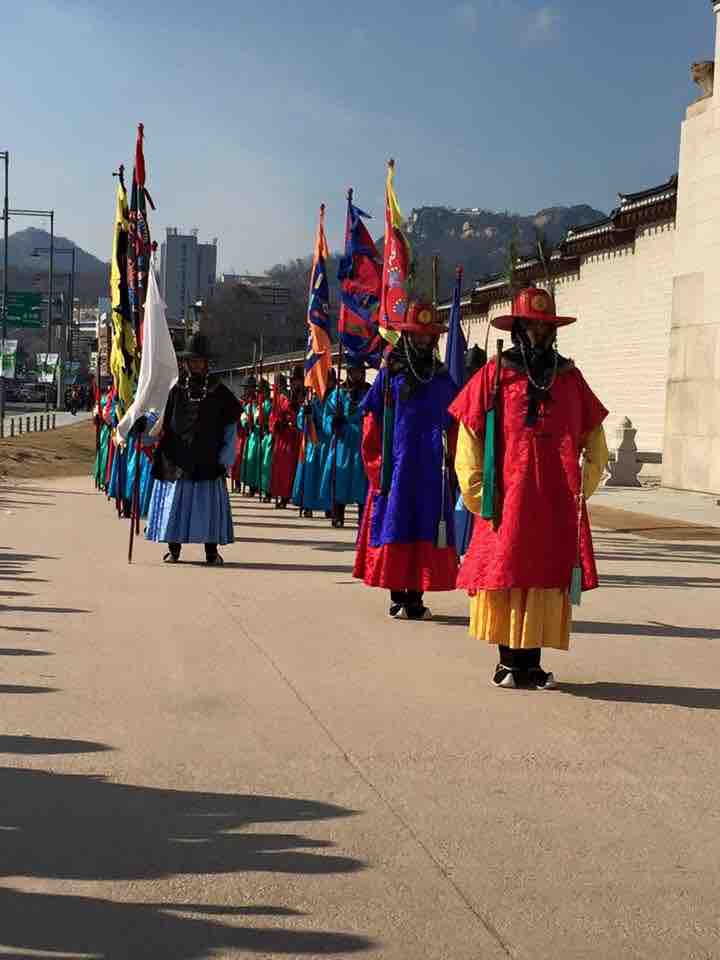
pixel 396 264
pixel 139 247
pixel 456 343
pixel 360 276
pixel 318 358
pixel 158 365
pixel 124 352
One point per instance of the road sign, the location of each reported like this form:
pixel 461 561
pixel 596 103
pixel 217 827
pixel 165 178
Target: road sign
pixel 24 309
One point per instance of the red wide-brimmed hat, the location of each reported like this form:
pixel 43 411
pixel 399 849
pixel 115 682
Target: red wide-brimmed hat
pixel 533 303
pixel 420 318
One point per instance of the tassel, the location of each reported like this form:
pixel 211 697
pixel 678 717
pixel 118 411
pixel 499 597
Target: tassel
pixel 442 539
pixel 576 587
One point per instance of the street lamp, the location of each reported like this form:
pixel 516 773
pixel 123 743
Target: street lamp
pixel 44 214
pixel 38 252
pixel 5 154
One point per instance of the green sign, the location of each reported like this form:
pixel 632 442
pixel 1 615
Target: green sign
pixel 24 309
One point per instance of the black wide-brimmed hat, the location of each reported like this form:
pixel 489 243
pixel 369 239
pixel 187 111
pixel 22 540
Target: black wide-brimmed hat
pixel 196 348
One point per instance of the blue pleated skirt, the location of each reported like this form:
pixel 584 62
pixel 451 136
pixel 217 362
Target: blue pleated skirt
pixel 187 512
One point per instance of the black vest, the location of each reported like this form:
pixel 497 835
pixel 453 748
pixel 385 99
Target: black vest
pixel 193 435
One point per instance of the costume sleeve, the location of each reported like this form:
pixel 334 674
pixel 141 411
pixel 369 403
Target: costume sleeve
pixel 227 451
pixel 593 413
pixel 469 467
pixel 596 460
pixel 328 412
pixel 374 398
pixel 474 400
pixel 372 450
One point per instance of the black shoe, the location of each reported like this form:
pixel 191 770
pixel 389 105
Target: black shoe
pixel 415 613
pixel 171 557
pixel 505 678
pixel 395 610
pixel 540 680
pixel 214 560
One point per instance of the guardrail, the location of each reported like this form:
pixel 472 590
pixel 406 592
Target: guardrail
pixel 27 423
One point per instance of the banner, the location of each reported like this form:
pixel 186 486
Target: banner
pixel 47 366
pixel 8 353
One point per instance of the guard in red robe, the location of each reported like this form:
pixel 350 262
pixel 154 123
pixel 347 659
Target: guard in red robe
pixel 286 439
pixel 520 566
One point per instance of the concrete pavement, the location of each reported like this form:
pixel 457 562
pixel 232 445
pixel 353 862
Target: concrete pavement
pixel 256 761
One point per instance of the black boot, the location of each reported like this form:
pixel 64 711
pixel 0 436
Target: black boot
pixel 173 554
pixel 212 557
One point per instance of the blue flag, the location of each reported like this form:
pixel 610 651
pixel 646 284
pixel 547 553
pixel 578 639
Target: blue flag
pixel 456 342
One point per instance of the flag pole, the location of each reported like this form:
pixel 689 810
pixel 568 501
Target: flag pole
pixel 388 410
pixel 336 431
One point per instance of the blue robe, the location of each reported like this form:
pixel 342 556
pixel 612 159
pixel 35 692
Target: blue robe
pixel 306 488
pixel 410 512
pixel 344 457
pixel 187 511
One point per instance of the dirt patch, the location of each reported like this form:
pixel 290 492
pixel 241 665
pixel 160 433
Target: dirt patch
pixel 65 452
pixel 652 528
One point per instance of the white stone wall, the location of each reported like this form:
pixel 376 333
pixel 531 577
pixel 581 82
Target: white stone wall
pixel 691 459
pixel 623 301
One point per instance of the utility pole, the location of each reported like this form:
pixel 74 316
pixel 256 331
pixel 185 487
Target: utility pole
pixel 5 154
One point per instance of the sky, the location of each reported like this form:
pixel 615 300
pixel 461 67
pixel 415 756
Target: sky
pixel 256 112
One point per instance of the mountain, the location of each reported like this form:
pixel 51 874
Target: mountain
pixel 22 244
pixel 479 240
pixel 26 272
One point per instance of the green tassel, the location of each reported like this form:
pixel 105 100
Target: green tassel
pixel 576 587
pixel 387 448
pixel 442 540
pixel 488 495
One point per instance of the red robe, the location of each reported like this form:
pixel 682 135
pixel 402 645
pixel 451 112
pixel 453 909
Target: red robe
pixel 539 479
pixel 286 446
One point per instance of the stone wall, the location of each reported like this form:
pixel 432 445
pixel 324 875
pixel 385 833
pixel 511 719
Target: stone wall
pixel 623 301
pixel 691 459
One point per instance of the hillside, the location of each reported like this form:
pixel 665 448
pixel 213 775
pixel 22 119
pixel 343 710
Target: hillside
pixel 478 240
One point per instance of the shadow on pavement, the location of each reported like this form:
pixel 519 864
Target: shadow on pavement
pixel 41 746
pixel 617 580
pixel 4 608
pixel 449 621
pixel 697 698
pixel 646 630
pixel 289 567
pixel 107 930
pixel 20 652
pixel 63 827
pixel 10 688
pixel 329 545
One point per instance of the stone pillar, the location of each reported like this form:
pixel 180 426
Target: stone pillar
pixel 691 455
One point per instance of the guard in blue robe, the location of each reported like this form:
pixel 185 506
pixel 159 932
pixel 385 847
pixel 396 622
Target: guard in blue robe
pixel 343 479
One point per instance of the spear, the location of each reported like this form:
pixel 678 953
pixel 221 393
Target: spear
pixel 336 438
pixel 261 416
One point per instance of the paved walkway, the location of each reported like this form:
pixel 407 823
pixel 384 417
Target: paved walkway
pixel 255 761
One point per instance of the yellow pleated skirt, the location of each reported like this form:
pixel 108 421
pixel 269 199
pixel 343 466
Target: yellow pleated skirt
pixel 522 619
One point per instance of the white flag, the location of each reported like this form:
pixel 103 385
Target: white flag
pixel 158 363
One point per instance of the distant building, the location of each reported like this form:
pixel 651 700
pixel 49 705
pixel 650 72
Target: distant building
pixel 188 271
